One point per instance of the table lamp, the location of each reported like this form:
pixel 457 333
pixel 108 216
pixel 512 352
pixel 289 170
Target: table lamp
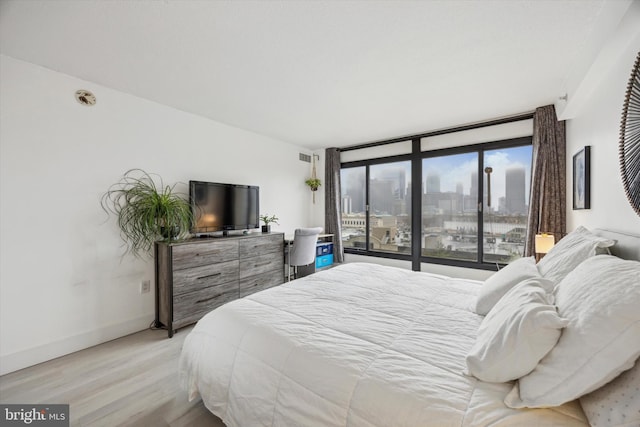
pixel 543 244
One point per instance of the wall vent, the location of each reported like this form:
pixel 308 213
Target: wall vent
pixel 305 157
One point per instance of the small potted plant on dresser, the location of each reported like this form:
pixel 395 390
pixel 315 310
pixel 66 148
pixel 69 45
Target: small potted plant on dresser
pixel 268 219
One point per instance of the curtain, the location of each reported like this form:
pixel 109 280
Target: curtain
pixel 547 200
pixel 332 224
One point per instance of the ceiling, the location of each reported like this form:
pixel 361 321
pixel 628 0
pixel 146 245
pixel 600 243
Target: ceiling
pixel 315 73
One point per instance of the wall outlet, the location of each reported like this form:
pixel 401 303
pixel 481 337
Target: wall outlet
pixel 145 286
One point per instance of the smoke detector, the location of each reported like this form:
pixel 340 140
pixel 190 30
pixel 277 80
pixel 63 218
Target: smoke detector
pixel 85 97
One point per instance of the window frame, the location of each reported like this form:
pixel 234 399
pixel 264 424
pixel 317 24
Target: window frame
pixel 416 157
pixel 367 163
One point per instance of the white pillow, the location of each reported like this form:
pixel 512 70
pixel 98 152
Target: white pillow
pixel 570 251
pixel 518 331
pixel 503 280
pixel 601 301
pixel 616 404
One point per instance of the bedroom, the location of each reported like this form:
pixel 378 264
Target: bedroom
pixel 58 157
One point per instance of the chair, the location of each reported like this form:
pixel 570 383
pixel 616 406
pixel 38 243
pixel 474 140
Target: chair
pixel 303 250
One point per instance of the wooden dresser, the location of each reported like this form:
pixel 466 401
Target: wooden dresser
pixel 195 276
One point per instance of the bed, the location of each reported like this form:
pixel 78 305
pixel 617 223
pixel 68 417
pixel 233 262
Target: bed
pixel 361 345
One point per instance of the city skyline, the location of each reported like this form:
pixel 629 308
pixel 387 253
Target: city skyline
pixel 448 174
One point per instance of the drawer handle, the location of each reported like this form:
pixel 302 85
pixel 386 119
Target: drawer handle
pixel 208 253
pixel 262 264
pixel 210 275
pixel 208 299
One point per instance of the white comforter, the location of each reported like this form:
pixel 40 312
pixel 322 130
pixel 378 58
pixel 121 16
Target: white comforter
pixel 356 345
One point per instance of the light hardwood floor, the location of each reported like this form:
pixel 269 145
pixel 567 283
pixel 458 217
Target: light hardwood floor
pixel 131 381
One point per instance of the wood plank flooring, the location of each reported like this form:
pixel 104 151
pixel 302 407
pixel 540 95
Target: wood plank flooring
pixel 131 381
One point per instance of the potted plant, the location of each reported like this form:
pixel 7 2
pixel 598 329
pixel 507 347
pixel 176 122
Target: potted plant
pixel 146 211
pixel 313 183
pixel 266 228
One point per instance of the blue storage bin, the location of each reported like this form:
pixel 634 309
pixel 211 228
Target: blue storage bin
pixel 324 260
pixel 324 249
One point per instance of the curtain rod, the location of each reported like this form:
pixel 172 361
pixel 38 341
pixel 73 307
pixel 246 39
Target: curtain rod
pixel 493 122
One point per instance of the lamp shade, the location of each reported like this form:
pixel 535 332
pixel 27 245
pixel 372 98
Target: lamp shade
pixel 544 243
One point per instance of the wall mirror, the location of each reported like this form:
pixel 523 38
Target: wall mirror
pixel 629 147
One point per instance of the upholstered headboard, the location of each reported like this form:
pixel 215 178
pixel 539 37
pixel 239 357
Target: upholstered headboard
pixel 627 244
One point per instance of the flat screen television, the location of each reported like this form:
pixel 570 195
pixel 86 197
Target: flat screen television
pixel 223 207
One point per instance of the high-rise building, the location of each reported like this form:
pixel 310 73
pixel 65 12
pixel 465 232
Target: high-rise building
pixel 433 182
pixel 346 205
pixel 515 202
pixel 354 187
pixel 381 197
pixel 471 201
pixel 397 178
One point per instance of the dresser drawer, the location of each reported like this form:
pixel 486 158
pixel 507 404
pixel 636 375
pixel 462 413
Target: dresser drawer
pixel 260 264
pixel 252 284
pixel 195 276
pixel 260 245
pixel 208 252
pixel 192 279
pixel 191 306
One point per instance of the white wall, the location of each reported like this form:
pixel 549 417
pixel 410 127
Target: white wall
pixel 63 283
pixel 597 123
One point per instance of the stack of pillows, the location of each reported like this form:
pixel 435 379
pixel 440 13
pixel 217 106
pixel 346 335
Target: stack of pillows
pixel 563 329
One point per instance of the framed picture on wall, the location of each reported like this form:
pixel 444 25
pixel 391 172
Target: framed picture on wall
pixel 582 179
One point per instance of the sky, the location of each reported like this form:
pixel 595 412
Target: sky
pixel 458 168
pixel 454 169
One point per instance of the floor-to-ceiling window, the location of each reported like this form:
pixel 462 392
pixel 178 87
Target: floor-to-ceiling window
pixel 472 202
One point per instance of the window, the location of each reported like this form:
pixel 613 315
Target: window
pixel 451 228
pixel 472 204
pixel 390 215
pixel 377 198
pixel 449 206
pixel 354 201
pixel 505 217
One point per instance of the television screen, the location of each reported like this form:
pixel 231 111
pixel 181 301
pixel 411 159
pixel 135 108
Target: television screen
pixel 222 207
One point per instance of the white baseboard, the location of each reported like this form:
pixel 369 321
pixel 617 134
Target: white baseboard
pixel 42 353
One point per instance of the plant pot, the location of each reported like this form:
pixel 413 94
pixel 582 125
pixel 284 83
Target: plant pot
pixel 170 233
pixel 266 229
